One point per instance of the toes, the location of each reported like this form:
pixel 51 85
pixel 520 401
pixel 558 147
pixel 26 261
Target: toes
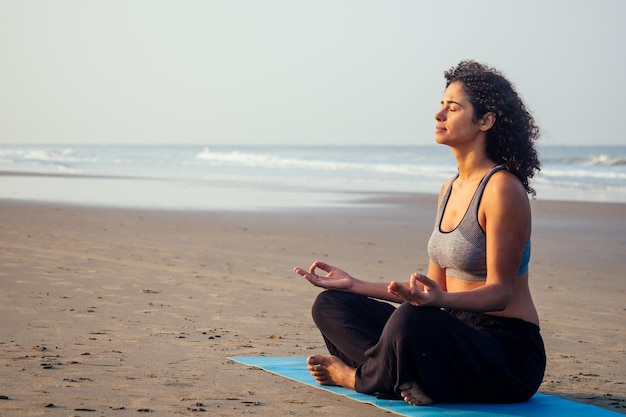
pixel 316 360
pixel 413 394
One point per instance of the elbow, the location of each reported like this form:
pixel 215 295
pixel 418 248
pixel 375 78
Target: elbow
pixel 502 297
pixel 499 306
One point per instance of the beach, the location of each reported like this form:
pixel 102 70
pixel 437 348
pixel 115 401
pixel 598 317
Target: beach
pixel 113 311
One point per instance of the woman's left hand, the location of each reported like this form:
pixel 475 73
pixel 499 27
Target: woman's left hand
pixel 422 291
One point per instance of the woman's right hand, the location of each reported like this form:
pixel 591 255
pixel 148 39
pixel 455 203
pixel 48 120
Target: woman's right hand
pixel 334 278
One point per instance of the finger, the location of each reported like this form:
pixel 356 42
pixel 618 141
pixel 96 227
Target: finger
pixel 313 266
pixel 413 281
pixel 321 265
pixel 397 289
pixel 425 280
pixel 300 271
pixel 312 278
pixel 416 283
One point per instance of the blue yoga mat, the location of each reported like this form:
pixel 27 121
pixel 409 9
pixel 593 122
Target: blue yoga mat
pixel 294 368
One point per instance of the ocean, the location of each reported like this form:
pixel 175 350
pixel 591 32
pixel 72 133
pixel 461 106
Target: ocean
pixel 255 177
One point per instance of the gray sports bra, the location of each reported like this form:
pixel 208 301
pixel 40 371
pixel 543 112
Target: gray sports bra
pixel 463 251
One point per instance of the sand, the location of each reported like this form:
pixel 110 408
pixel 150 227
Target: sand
pixel 114 311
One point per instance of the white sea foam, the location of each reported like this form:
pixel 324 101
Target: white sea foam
pixel 568 173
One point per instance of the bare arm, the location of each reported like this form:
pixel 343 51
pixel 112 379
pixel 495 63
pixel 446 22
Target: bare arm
pixel 505 217
pixel 337 279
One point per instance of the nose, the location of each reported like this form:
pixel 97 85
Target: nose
pixel 440 116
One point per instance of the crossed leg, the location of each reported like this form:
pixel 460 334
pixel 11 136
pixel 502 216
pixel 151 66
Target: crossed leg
pixel 330 370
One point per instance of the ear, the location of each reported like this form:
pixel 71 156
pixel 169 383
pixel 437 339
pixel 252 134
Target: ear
pixel 487 121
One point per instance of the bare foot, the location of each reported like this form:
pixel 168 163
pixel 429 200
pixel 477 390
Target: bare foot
pixel 413 394
pixel 330 370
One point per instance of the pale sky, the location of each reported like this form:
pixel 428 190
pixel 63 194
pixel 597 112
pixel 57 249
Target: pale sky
pixel 298 72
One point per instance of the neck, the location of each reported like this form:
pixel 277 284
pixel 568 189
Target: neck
pixel 472 165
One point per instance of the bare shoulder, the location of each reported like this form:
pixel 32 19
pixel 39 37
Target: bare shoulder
pixel 505 206
pixel 506 191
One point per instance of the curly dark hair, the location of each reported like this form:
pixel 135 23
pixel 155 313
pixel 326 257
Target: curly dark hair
pixel 510 142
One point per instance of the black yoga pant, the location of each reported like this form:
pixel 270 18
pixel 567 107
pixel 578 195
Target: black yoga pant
pixel 454 356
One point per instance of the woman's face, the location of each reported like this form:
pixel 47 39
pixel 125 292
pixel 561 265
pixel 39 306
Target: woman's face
pixel 455 124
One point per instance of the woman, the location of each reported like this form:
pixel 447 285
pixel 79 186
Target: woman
pixel 468 331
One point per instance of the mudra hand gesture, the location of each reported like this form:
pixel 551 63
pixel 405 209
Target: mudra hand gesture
pixel 334 278
pixel 420 291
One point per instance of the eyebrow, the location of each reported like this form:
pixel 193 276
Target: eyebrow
pixel 452 102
